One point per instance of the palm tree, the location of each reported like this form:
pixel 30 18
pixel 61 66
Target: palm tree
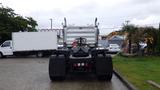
pixel 151 36
pixel 130 29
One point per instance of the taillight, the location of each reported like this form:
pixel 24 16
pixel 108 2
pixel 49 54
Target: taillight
pixel 75 65
pixel 82 65
pixel 79 64
pixel 86 65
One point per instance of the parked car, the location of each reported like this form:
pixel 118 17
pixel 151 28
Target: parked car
pixel 142 45
pixel 114 48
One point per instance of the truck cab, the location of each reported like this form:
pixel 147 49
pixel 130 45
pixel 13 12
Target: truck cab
pixel 6 48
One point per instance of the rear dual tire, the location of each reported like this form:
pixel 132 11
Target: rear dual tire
pixel 57 68
pixel 104 67
pixel 56 78
pixel 107 77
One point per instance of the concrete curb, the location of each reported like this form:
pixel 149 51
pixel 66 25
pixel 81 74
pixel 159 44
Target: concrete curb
pixel 154 84
pixel 126 82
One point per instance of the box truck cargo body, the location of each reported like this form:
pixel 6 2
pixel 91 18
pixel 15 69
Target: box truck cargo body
pixel 28 43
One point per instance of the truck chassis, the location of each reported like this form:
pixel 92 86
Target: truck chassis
pixel 81 58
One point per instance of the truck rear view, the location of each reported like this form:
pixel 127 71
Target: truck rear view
pixel 81 54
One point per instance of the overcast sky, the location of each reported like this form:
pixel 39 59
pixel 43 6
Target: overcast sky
pixel 111 14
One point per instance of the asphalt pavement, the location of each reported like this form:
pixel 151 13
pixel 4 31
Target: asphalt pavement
pixel 32 74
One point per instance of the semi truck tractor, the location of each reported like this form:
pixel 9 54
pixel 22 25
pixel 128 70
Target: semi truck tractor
pixel 80 54
pixel 30 43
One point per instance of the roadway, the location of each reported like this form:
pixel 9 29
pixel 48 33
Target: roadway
pixel 32 74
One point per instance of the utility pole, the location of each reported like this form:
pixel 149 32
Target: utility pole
pixel 51 23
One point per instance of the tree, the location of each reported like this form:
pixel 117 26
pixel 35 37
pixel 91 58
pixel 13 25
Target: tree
pixel 151 36
pixel 158 40
pixel 12 22
pixel 31 24
pixel 130 29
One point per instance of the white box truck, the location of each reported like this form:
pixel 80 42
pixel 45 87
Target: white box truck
pixel 30 43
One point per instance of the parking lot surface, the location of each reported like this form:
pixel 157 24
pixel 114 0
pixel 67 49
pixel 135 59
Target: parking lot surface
pixel 32 74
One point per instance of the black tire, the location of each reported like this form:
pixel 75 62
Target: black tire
pixel 1 55
pixel 56 78
pixel 57 68
pixel 104 67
